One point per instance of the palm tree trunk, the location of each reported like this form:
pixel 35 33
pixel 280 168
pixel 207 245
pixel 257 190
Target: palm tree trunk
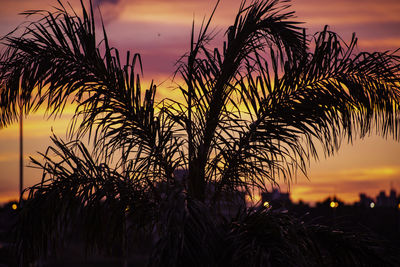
pixel 197 181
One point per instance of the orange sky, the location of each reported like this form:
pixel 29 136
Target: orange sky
pixel 159 31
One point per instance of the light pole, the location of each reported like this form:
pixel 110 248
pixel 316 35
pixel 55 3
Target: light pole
pixel 21 153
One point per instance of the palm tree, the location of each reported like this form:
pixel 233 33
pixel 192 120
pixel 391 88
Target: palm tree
pixel 254 111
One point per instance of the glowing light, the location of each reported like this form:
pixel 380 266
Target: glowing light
pixel 14 206
pixel 372 205
pixel 334 204
pixel 398 206
pixel 266 204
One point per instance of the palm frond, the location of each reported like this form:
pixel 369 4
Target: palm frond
pixel 189 235
pixel 210 75
pixel 57 60
pixel 267 238
pixel 79 192
pixel 327 95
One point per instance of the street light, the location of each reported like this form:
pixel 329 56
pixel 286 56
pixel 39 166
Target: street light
pixel 334 204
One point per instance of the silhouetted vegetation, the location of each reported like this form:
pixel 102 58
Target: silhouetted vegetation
pixel 254 111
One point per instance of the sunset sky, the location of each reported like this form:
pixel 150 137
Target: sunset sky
pixel 160 32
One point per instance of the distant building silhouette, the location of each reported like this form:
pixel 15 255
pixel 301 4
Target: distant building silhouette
pixel 365 201
pixel 382 200
pixel 227 203
pixel 330 202
pixel 276 199
pixel 386 201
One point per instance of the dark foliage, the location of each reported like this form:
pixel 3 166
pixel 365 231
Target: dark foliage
pixel 264 237
pixel 253 111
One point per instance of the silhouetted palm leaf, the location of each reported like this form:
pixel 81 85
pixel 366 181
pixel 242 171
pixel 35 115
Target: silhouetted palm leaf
pixel 268 238
pixel 57 60
pixel 210 78
pixel 316 99
pixel 80 191
pixel 254 111
pixel 261 238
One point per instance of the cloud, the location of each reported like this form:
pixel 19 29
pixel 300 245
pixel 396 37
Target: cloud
pixel 7 196
pixel 346 183
pixel 110 10
pixel 9 156
pixel 100 2
pixel 371 20
pixel 380 44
